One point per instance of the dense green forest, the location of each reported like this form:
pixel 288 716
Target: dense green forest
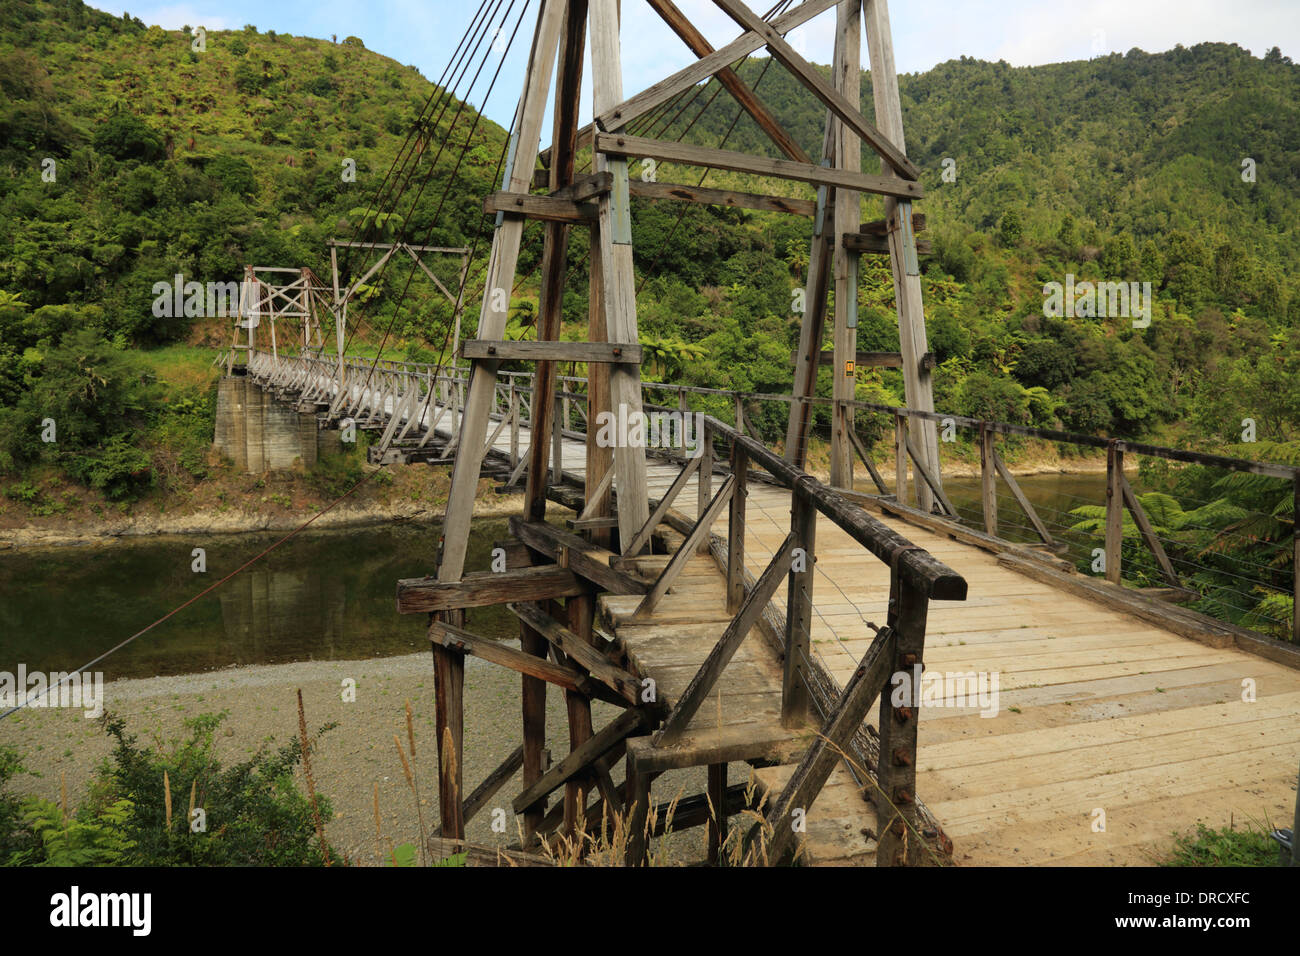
pixel 1181 169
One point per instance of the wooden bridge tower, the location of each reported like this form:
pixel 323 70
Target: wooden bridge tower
pixel 600 202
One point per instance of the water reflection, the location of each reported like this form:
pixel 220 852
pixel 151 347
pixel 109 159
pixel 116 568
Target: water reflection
pixel 325 595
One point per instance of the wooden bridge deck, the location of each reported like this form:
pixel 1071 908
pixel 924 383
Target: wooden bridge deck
pixel 1098 712
pixel 1097 709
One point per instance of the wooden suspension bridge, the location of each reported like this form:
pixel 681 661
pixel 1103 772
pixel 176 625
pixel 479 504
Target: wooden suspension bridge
pixel 734 608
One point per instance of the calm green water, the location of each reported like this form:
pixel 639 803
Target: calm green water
pixel 325 596
pixel 1053 497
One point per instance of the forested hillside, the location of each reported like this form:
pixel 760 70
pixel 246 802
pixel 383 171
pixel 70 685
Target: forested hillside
pixel 1125 168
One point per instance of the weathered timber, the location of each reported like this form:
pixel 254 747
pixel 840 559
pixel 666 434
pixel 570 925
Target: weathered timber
pixel 1023 501
pixel 618 144
pixel 552 351
pixel 582 558
pixel 449 722
pixel 578 650
pixel 459 639
pixel 485 588
pixel 845 110
pixel 493 782
pixel 702 683
pixel 895 798
pixel 879 245
pixel 769 743
pixel 743 95
pixel 635 546
pixel 577 761
pixel 1114 512
pixel 722 197
pixel 544 208
pixel 1148 533
pixel 864 747
pixel 829 746
pixel 865 455
pixel 688 549
pixel 617 115
pixel 922 568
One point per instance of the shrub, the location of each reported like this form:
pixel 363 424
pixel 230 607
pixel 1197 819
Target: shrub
pixel 123 136
pixel 255 814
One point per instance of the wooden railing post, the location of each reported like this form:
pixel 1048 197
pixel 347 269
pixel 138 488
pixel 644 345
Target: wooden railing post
pixel 799 608
pixel 704 479
pixel 1114 510
pixel 900 458
pixel 557 441
pixel 514 424
pixel 449 691
pixel 988 480
pixel 740 413
pixel 736 529
pixel 900 842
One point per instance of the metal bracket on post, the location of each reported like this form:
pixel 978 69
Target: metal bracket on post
pixel 823 196
pixel 620 212
pixel 911 264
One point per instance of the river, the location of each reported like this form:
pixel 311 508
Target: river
pixel 320 596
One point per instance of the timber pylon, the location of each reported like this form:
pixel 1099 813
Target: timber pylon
pixel 601 202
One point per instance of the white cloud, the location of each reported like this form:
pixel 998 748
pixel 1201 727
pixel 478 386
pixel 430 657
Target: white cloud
pixel 173 16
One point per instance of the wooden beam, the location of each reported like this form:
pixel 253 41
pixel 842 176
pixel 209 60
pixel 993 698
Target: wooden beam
pixel 686 551
pixel 578 650
pixel 497 652
pixel 493 782
pixel 930 479
pixel 618 272
pixel 720 656
pixel 578 760
pixel 879 245
pixel 587 560
pixel 449 724
pixel 619 144
pixel 881 227
pixel 501 274
pixel 484 588
pixel 551 351
pixel 845 109
pixel 917 381
pixel 769 743
pixel 746 97
pixel 1024 502
pixel 584 187
pixel 830 745
pixel 1114 511
pixel 1148 533
pixel 642 538
pixel 545 208
pixel 618 115
pixel 722 197
pixel 988 482
pixel 861 449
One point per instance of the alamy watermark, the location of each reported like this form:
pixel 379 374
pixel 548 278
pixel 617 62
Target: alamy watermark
pixel 637 429
pixel 56 689
pixel 1125 300
pixel 953 689
pixel 195 300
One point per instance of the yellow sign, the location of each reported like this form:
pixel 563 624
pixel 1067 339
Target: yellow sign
pixel 848 369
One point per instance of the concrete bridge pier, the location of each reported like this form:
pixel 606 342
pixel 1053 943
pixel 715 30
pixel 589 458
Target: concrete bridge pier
pixel 260 432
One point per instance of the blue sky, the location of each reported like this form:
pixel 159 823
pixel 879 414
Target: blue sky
pixel 1022 32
